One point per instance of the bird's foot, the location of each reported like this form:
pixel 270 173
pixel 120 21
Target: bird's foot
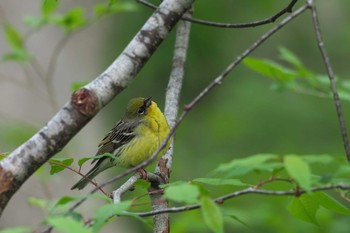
pixel 143 173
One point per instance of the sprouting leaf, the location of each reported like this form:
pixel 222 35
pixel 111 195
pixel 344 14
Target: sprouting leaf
pixel 38 202
pixel 330 203
pixel 304 208
pixel 67 224
pixel 70 21
pixel 108 211
pixel 59 164
pixel 114 7
pixel 298 170
pixel 212 214
pixel 48 7
pixel 13 37
pixel 215 181
pixel 186 192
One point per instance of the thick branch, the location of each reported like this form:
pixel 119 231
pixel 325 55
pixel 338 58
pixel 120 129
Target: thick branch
pixel 22 162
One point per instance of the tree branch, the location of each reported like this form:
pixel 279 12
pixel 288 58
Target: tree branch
pixel 271 19
pixel 86 102
pixel 161 222
pixel 246 191
pixel 330 73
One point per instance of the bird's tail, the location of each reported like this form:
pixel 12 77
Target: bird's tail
pixel 87 178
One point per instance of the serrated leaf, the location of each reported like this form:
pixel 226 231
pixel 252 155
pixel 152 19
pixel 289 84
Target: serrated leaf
pixel 17 230
pixel 298 170
pixel 106 212
pixel 212 214
pixel 330 203
pixel 67 225
pixel 186 192
pixel 48 7
pixel 304 208
pixel 215 181
pixel 243 166
pixel 56 164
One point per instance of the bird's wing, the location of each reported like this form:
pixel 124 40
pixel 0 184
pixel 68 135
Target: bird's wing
pixel 120 135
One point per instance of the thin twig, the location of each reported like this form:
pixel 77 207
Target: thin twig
pixel 325 58
pixel 246 191
pixel 272 19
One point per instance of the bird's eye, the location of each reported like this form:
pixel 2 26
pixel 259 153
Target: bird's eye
pixel 141 111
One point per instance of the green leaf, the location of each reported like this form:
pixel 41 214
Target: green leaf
pixel 70 21
pixel 298 170
pixel 304 208
pixel 290 57
pixel 67 199
pixel 330 203
pixel 17 230
pixel 48 7
pixel 215 181
pixel 185 192
pixel 55 164
pixel 13 37
pixel 67 225
pixel 38 202
pixel 106 212
pixel 212 214
pixel 243 166
pixel 269 69
pixel 114 7
pixel 322 158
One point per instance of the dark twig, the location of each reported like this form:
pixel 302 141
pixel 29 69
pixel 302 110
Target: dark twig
pixel 246 191
pixel 325 58
pixel 272 19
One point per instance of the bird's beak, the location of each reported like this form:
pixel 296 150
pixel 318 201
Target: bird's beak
pixel 148 102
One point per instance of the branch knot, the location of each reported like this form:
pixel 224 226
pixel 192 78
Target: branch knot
pixel 85 101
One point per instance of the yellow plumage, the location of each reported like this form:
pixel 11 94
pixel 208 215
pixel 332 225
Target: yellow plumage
pixel 134 139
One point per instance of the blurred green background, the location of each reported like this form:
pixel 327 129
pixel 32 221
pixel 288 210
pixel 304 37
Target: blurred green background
pixel 241 117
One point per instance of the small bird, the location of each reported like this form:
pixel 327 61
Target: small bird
pixel 134 138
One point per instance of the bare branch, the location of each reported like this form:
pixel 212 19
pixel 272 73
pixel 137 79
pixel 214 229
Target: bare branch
pixel 85 103
pixel 272 19
pixel 330 73
pixel 246 191
pixel 125 187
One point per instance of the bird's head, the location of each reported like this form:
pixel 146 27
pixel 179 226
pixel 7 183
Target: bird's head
pixel 138 107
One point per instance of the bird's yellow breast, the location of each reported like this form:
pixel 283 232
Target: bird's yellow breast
pixel 148 136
